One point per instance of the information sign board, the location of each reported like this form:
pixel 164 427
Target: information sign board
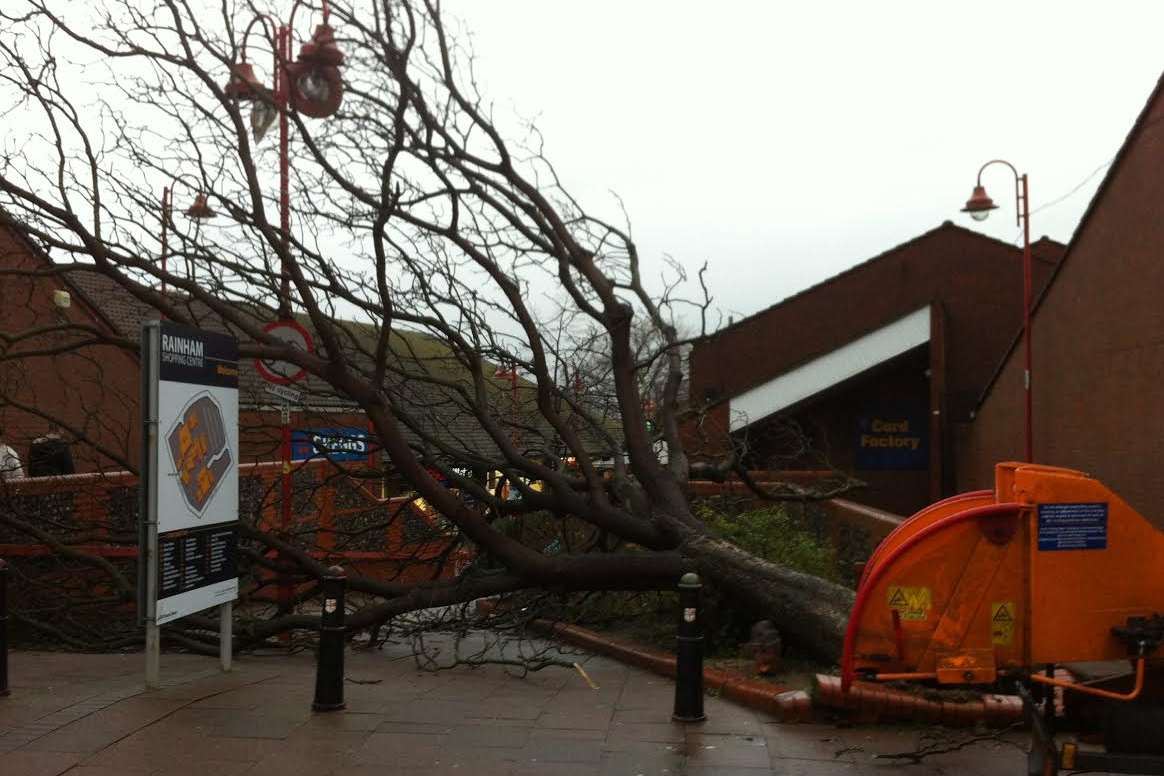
pixel 1073 526
pixel 191 469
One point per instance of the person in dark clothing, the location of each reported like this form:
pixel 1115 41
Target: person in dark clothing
pixel 50 455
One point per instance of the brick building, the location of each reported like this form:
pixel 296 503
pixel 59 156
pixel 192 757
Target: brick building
pixel 931 329
pixel 86 379
pixel 68 363
pixel 90 391
pixel 84 384
pixel 874 368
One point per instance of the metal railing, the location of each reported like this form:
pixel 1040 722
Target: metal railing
pixel 337 518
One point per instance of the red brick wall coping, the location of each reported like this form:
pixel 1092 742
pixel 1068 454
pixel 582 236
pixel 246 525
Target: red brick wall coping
pixel 872 702
pixel 868 701
pixel 788 705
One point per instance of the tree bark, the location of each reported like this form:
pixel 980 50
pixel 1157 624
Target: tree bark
pixel 810 611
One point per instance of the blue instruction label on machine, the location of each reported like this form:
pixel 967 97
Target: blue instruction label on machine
pixel 1073 526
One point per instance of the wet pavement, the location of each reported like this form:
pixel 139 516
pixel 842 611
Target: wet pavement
pixel 88 715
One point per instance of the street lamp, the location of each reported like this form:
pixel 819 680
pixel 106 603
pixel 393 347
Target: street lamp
pixel 197 212
pixel 510 373
pixel 311 86
pixel 979 206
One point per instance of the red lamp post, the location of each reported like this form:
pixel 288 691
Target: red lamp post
pixel 575 419
pixel 311 85
pixel 198 212
pixel 979 206
pixel 510 373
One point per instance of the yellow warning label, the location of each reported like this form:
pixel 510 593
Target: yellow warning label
pixel 1002 623
pixel 913 603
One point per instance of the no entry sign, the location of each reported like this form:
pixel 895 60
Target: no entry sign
pixel 285 372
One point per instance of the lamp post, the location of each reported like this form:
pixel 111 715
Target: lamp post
pixel 575 414
pixel 311 86
pixel 510 373
pixel 198 212
pixel 979 206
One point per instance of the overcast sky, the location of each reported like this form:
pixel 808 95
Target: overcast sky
pixel 785 141
pixel 782 142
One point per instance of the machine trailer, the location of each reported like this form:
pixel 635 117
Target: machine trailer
pixel 1049 586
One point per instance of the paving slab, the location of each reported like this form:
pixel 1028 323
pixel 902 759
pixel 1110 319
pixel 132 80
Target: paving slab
pixel 36 763
pixel 88 715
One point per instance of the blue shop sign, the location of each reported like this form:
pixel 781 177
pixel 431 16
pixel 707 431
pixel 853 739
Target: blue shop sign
pixel 338 444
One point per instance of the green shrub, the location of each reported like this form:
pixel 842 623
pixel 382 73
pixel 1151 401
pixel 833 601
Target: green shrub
pixel 773 534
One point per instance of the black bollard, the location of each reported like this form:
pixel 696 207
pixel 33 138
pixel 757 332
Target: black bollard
pixel 3 629
pixel 689 653
pixel 329 670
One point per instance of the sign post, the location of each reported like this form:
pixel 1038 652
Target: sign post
pixel 189 483
pixel 281 374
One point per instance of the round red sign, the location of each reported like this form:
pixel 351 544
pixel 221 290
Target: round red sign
pixel 285 372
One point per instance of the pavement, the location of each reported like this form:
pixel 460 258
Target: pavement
pixel 89 715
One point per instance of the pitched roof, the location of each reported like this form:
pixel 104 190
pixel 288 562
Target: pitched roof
pixel 1048 252
pixel 441 416
pixel 956 270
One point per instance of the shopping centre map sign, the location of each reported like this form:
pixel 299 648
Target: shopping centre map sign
pixel 190 472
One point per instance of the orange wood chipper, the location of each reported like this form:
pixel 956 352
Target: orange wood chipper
pixel 1050 570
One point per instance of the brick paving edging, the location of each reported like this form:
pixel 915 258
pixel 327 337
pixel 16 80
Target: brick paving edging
pixel 877 702
pixel 871 702
pixel 777 700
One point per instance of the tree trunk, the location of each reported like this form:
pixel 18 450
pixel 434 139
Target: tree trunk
pixel 808 610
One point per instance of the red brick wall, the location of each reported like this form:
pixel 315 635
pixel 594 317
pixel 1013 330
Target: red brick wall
pixel 977 279
pixel 705 436
pixel 93 391
pixel 1098 346
pixel 977 283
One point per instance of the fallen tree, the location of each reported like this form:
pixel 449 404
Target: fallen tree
pixel 461 299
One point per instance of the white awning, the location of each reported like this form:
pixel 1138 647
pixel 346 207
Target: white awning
pixel 828 370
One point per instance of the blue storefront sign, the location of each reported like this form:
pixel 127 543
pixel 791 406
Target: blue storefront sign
pixel 892 440
pixel 1073 526
pixel 338 444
